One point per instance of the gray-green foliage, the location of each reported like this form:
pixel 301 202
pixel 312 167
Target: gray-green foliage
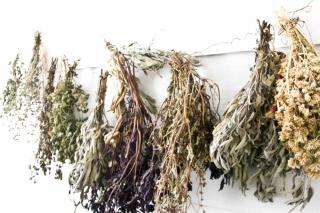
pixel 247 135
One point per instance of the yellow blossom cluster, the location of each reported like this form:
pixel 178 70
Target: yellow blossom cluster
pixel 298 100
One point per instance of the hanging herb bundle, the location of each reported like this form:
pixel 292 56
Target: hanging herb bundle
pixel 32 83
pixel 183 139
pixel 59 144
pixel 44 153
pixel 11 92
pixel 298 100
pixel 247 135
pixel 117 183
pixel 245 128
pixel 91 157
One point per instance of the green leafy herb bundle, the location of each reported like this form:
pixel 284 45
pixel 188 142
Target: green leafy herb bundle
pixel 64 122
pixel 186 121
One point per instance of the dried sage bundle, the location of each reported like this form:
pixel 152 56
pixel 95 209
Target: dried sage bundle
pixel 186 121
pixel 246 138
pixel 68 100
pixel 245 128
pixel 298 100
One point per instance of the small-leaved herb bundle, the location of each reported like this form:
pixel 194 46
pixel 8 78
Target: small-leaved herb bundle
pixel 44 153
pixel 298 100
pixel 186 121
pixel 33 82
pixel 11 93
pixel 68 100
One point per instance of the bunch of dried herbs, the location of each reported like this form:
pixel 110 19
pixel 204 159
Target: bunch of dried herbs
pixel 240 134
pixel 21 97
pixel 116 170
pixel 61 125
pixel 147 59
pixel 247 135
pixel 91 160
pixel 44 153
pixel 33 82
pixel 186 121
pixel 298 100
pixel 11 93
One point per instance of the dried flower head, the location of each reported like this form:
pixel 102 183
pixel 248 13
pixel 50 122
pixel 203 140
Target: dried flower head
pixel 298 99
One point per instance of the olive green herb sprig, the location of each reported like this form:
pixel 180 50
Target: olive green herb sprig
pixel 186 118
pixel 68 100
pixel 91 162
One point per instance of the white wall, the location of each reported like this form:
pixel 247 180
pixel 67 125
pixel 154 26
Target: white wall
pixel 78 29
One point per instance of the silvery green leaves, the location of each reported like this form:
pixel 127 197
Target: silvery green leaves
pixel 240 139
pixel 147 59
pixel 247 138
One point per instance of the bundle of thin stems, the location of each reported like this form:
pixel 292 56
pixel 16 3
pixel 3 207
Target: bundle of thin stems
pixel 44 152
pixel 186 121
pixel 62 123
pixel 298 99
pixel 116 162
pixel 247 135
pixel 131 156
